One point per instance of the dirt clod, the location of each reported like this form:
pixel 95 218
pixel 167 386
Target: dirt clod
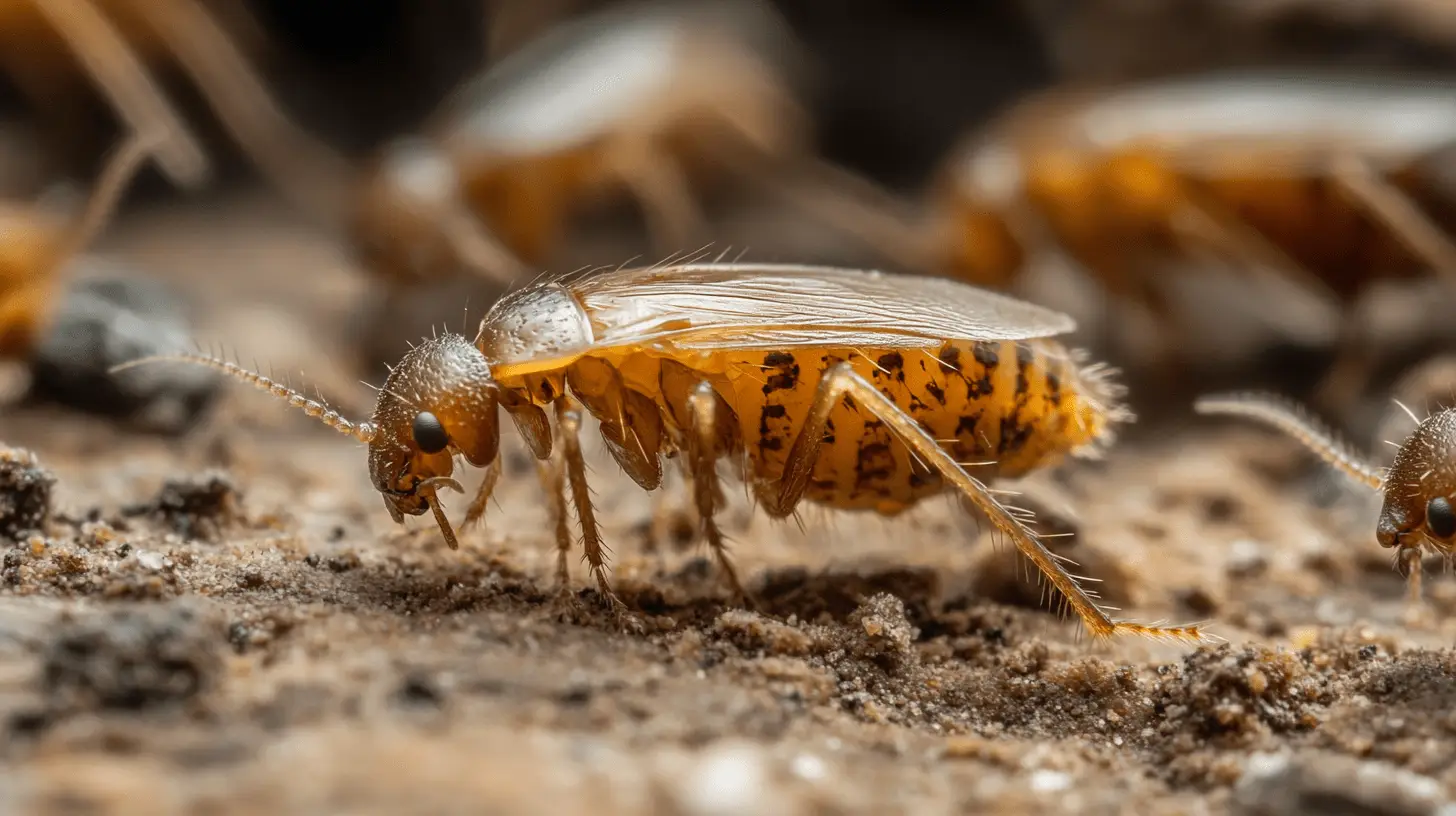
pixel 25 493
pixel 1231 697
pixel 197 506
pixel 886 635
pixel 132 659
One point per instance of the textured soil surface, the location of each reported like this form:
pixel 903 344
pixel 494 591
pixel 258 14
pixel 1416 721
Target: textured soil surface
pixel 228 621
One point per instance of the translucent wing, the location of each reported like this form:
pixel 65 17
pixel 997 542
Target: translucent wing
pixel 712 306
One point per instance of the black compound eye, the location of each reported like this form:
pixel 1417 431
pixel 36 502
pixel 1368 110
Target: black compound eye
pixel 430 434
pixel 1441 517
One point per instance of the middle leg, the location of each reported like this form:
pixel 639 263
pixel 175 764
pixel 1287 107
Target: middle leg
pixel 568 421
pixel 705 444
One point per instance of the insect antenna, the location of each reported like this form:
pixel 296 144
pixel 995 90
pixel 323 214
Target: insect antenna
pixel 362 431
pixel 1294 420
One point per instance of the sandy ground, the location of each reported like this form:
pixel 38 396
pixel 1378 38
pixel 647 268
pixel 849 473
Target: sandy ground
pixel 229 622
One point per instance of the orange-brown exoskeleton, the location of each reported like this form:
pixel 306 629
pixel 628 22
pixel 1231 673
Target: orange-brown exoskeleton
pixel 1335 181
pixel 854 390
pixel 36 245
pixel 650 103
pixel 53 47
pixel 1419 487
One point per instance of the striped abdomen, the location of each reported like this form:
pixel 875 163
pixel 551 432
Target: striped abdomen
pixel 1005 407
pixel 1018 405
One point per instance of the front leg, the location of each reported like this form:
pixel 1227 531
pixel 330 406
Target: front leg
pixel 1417 612
pixel 477 507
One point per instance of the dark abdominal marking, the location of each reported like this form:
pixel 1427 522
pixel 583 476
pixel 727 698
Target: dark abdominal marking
pixel 1024 358
pixel 788 372
pixel 767 438
pixel 892 363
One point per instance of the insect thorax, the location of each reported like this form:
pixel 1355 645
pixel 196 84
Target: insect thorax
pixel 537 324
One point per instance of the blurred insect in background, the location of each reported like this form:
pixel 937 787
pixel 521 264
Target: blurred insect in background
pixel 1335 182
pixel 511 24
pixel 653 102
pixel 53 47
pixel 39 243
pixel 1418 488
pixel 850 389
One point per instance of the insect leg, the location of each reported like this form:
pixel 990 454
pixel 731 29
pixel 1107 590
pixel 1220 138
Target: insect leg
pixel 661 189
pixel 482 495
pixel 837 197
pixel 704 448
pixel 120 75
pixel 1350 370
pixel 1416 611
pixel 302 167
pixel 1353 362
pixel 1393 208
pixel 667 505
pixel 1201 222
pixel 552 474
pixel 1131 280
pixel 568 420
pixel 841 381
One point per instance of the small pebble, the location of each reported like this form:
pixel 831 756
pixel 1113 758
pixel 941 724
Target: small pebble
pixel 808 767
pixel 727 779
pixel 1044 781
pixel 111 316
pixel 1246 559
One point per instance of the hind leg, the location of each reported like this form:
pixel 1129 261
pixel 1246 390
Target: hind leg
pixel 1394 209
pixel 119 73
pixel 661 188
pixel 1353 365
pixel 842 381
pixel 1129 281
